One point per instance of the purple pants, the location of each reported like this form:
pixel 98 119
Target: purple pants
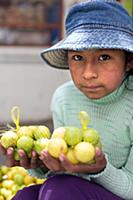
pixel 65 187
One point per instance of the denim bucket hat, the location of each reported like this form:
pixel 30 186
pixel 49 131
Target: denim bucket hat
pixel 93 24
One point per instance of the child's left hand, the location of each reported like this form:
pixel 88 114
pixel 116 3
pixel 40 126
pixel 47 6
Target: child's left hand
pixel 62 164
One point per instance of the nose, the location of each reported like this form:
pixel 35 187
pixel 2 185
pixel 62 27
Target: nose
pixel 90 71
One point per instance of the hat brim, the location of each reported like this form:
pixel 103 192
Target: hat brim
pixel 80 40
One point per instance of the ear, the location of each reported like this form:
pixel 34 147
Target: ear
pixel 129 65
pixel 129 61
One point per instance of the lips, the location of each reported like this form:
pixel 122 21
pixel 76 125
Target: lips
pixel 92 88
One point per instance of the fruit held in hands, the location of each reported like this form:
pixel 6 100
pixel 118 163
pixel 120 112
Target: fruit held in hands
pixel 41 144
pixel 71 156
pixel 56 147
pixel 58 132
pixel 42 132
pixel 9 139
pixel 26 143
pixel 84 152
pixel 73 135
pixel 25 130
pixel 91 135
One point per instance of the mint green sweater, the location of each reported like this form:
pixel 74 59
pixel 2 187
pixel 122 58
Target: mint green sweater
pixel 112 116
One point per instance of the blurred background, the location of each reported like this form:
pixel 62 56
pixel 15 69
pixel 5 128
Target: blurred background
pixel 26 28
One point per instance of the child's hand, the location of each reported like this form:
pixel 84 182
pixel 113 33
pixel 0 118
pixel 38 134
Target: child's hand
pixel 24 160
pixel 50 162
pixel 98 166
pixel 63 164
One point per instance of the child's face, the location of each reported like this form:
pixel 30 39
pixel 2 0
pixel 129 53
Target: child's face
pixel 97 72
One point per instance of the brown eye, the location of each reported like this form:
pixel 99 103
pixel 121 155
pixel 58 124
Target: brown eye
pixel 104 57
pixel 77 58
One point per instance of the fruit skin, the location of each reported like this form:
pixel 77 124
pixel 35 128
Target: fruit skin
pixel 25 130
pixel 91 135
pixel 26 143
pixel 42 132
pixel 56 147
pixel 28 179
pixel 84 152
pixel 19 179
pixel 58 132
pixel 16 155
pixel 70 155
pixel 8 139
pixel 73 135
pixel 41 144
pixel 1 175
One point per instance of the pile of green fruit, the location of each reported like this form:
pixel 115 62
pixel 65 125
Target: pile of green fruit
pixel 13 179
pixel 78 144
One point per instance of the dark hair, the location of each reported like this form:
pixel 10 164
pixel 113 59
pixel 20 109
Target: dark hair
pixel 129 58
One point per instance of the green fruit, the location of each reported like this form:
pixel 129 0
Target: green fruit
pixel 19 179
pixel 1 175
pixel 99 145
pixel 26 143
pixel 9 139
pixel 91 135
pixel 42 132
pixel 73 135
pixel 41 144
pixel 84 152
pixel 16 155
pixel 25 130
pixel 56 147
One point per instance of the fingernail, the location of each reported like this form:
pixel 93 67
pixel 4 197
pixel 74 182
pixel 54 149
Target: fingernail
pixel 98 152
pixel 61 158
pixel 9 151
pixel 33 153
pixel 20 153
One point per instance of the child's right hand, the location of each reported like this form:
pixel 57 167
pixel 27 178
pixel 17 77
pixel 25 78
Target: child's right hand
pixel 25 162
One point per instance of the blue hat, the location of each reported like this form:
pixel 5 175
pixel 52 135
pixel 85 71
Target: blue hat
pixel 94 24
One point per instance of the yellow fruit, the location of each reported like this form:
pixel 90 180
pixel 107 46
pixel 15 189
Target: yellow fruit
pixel 22 171
pixel 42 132
pixel 9 139
pixel 56 147
pixel 5 192
pixel 58 132
pixel 7 184
pixel 25 130
pixel 4 169
pixel 1 197
pixel 15 188
pixel 40 181
pixel 84 152
pixel 71 156
pixel 28 180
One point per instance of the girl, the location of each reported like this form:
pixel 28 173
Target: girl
pixel 98 51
